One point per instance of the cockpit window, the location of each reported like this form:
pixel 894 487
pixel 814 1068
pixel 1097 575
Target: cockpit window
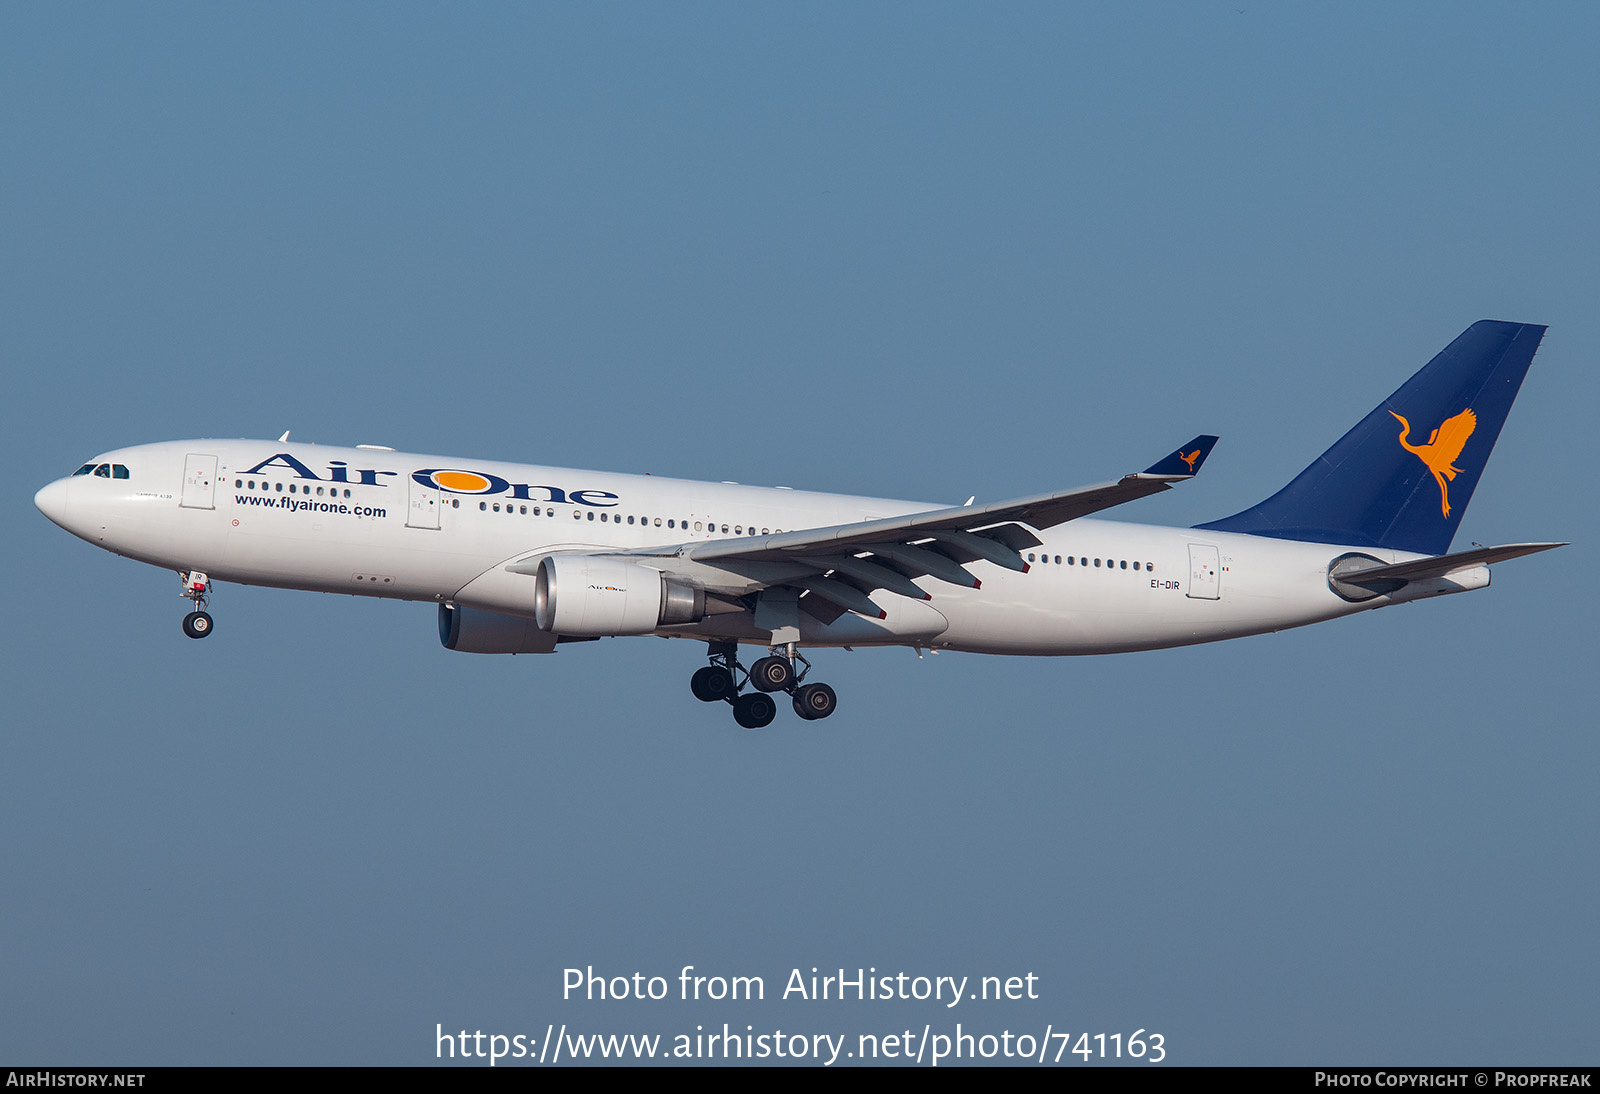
pixel 103 470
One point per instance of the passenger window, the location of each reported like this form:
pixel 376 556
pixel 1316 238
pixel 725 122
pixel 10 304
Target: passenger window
pixel 483 507
pixel 697 526
pixel 1124 564
pixel 1135 565
pixel 278 487
pixel 1058 560
pixel 238 484
pixel 591 514
pixel 1070 560
pixel 670 522
pixel 1097 563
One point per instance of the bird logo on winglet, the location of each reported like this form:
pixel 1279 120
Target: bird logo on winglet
pixel 1442 450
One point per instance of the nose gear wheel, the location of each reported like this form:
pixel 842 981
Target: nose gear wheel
pixel 196 588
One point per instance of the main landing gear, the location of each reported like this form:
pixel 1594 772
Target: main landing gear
pixel 773 673
pixel 196 587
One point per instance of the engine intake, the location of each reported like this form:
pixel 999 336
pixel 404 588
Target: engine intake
pixel 588 596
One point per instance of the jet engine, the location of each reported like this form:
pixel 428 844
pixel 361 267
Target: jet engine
pixel 588 596
pixel 472 630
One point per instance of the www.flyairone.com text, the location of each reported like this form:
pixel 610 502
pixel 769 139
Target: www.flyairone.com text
pixel 560 1043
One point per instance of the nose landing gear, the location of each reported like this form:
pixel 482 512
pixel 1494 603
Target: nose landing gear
pixel 196 587
pixel 773 673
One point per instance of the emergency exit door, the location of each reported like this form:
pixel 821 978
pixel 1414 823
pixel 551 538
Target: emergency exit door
pixel 1205 572
pixel 424 510
pixel 199 482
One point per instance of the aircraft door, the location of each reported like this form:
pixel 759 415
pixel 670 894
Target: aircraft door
pixel 424 510
pixel 1205 572
pixel 199 482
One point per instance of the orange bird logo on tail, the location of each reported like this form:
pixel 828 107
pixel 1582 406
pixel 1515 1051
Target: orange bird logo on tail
pixel 1442 449
pixel 1190 458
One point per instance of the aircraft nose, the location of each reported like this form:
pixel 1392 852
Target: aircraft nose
pixel 52 501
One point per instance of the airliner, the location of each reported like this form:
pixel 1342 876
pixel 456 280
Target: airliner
pixel 524 558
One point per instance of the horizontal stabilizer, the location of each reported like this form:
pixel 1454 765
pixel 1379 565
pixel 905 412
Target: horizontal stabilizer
pixel 1443 564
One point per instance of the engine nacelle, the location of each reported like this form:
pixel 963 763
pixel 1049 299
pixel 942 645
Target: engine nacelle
pixel 472 630
pixel 587 596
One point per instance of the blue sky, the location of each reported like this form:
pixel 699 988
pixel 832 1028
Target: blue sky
pixel 921 251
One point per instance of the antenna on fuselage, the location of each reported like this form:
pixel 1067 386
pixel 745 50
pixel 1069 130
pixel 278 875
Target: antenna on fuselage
pixel 284 437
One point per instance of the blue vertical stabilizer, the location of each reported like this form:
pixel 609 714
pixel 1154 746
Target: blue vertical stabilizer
pixel 1402 478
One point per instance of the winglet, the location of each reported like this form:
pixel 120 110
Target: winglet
pixel 1186 460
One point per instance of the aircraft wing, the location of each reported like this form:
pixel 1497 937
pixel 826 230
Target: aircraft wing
pixel 1040 511
pixel 842 564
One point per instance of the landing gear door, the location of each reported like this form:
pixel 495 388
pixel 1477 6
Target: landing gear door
pixel 1205 572
pixel 424 511
pixel 199 482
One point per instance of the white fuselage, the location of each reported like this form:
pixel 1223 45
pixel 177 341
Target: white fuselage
pixel 348 520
